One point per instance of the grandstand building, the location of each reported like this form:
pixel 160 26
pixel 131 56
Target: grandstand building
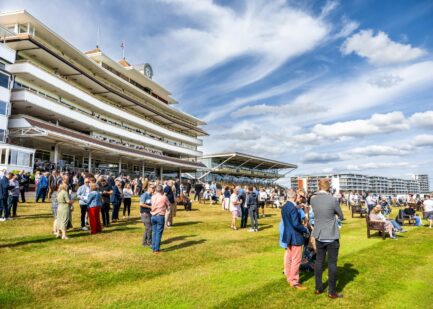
pixel 362 183
pixel 243 168
pixel 67 109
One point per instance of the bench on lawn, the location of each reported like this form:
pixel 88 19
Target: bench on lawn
pixel 375 226
pixel 357 209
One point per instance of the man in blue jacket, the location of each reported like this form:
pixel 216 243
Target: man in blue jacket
pixel 4 194
pixel 41 191
pixel 293 236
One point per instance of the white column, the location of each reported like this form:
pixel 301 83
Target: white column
pixel 90 162
pixel 56 154
pixel 161 173
pixel 142 170
pixel 120 165
pixel 7 150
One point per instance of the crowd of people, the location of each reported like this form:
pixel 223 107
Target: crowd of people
pixel 309 228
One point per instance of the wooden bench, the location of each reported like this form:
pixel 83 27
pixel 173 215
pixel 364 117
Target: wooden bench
pixel 375 226
pixel 404 217
pixel 357 209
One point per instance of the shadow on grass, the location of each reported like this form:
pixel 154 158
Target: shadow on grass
pixel 38 216
pixel 265 227
pixel 173 239
pixel 187 223
pixel 346 274
pixel 71 234
pixel 185 244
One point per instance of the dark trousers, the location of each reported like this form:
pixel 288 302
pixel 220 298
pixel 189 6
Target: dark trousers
pixel 158 223
pixel 3 207
pixel 147 236
pixel 83 215
pixel 23 195
pixel 253 217
pixel 323 248
pixel 105 212
pixel 126 206
pixel 115 214
pixel 41 193
pixel 197 195
pixel 12 205
pixel 244 217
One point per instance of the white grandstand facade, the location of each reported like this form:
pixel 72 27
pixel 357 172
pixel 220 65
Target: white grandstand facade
pixel 62 108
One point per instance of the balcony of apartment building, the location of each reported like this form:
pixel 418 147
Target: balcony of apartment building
pixel 41 105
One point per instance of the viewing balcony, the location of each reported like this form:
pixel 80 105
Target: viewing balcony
pixel 46 106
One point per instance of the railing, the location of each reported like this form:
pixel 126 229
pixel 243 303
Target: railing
pixel 98 117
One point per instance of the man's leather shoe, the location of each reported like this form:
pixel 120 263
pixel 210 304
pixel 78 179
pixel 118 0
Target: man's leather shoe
pixel 299 286
pixel 336 295
pixel 318 292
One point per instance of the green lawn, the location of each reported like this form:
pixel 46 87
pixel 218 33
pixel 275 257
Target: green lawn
pixel 204 265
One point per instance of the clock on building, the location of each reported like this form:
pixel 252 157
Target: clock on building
pixel 148 71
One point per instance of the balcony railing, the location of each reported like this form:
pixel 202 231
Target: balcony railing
pixel 103 119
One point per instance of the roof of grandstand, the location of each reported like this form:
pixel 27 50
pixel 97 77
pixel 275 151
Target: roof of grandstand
pixel 249 161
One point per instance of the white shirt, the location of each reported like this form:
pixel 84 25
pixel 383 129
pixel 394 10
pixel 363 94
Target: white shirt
pixel 262 196
pixel 428 205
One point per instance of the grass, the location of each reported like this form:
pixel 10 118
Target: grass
pixel 205 265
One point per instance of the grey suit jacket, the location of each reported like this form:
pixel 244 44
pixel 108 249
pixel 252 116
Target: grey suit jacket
pixel 325 208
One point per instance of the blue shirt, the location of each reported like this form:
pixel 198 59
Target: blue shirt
pixel 145 198
pixel 43 182
pixel 282 244
pixel 94 199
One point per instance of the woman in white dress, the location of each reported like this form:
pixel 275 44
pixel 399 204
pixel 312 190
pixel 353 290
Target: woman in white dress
pixel 234 208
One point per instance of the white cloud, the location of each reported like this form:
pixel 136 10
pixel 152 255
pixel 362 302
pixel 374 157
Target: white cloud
pixel 424 119
pixel 378 123
pixel 288 110
pixel 381 150
pixel 379 165
pixel 423 140
pixel 314 157
pixel 269 31
pixel 380 49
pixel 286 87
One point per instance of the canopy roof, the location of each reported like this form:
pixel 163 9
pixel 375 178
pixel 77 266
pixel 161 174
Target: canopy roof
pixel 249 161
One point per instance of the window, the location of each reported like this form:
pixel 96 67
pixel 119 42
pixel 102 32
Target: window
pixel 4 80
pixel 23 158
pixel 42 155
pixel 2 137
pixel 3 108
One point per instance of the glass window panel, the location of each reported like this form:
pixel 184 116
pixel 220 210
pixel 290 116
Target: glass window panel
pixel 3 108
pixel 23 158
pixel 13 157
pixel 4 80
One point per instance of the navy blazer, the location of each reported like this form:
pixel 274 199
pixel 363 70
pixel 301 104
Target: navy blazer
pixel 116 196
pixel 293 228
pixel 4 188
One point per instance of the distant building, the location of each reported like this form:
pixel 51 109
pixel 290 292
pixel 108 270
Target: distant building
pixel 423 182
pixel 419 184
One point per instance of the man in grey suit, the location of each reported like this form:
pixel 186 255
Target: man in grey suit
pixel 327 234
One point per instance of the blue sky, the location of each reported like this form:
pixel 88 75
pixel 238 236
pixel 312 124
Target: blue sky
pixel 333 86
